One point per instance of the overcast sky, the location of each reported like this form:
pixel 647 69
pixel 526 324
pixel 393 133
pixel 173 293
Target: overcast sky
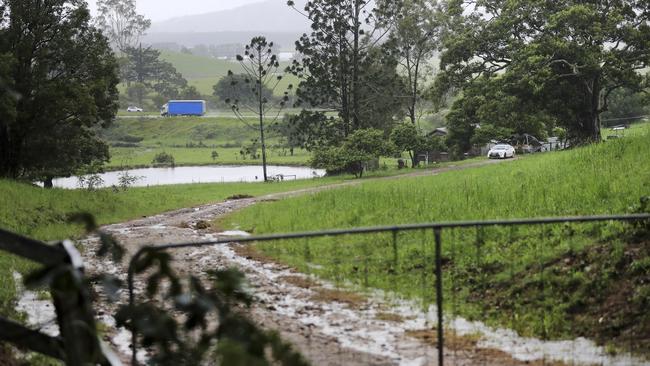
pixel 158 10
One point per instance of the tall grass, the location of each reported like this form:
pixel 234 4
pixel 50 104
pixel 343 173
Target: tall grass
pixel 597 179
pixel 551 280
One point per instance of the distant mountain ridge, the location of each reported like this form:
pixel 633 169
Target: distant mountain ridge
pixel 267 16
pixel 174 41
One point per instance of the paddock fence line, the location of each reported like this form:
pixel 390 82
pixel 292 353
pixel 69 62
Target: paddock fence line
pixel 457 268
pixel 449 263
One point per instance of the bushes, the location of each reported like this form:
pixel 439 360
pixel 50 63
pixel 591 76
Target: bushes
pixel 358 149
pixel 163 159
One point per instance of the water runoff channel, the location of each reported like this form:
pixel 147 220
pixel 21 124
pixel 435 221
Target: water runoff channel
pixel 196 174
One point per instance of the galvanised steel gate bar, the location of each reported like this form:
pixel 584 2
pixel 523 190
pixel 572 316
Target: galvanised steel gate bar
pixel 436 227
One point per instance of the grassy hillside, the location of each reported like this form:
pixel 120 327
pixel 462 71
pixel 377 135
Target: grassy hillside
pixel 180 130
pixel 135 141
pixel 601 178
pixel 204 72
pixel 196 67
pixel 555 281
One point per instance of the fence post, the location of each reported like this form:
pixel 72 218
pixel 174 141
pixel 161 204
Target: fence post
pixel 74 312
pixel 441 345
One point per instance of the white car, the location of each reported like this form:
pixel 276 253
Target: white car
pixel 501 151
pixel 134 109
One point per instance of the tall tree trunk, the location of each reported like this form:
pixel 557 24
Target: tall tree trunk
pixel 355 65
pixel 343 69
pixel 412 84
pixel 4 150
pixel 594 132
pixel 261 111
pixel 588 119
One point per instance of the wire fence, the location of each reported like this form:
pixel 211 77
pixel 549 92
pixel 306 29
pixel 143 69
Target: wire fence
pixel 473 292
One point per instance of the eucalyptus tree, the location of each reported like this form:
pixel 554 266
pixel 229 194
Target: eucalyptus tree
pixel 415 39
pixel 261 68
pixel 568 56
pixel 333 54
pixel 121 23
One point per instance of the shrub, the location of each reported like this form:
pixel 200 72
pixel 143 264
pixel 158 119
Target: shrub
pixel 126 180
pixel 357 151
pixel 163 159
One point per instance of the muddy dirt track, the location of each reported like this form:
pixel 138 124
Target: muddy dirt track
pixel 328 326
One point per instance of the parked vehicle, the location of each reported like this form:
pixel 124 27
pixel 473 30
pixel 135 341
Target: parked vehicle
pixel 526 143
pixel 184 108
pixel 132 109
pixel 501 151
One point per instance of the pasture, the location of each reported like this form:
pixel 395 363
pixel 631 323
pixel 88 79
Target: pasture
pixel 505 277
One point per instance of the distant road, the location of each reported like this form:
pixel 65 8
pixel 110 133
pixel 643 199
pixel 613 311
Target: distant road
pixel 218 114
pixel 153 116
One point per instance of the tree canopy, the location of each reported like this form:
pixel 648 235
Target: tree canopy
pixel 58 83
pixel 355 152
pixel 414 40
pixel 238 87
pixel 560 58
pixel 334 53
pixel 143 66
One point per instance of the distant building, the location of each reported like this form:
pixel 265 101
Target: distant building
pixel 434 156
pixel 439 132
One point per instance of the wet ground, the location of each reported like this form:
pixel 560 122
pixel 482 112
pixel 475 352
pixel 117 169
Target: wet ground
pixel 329 325
pixel 328 330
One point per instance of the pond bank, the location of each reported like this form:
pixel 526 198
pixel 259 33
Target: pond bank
pixel 195 174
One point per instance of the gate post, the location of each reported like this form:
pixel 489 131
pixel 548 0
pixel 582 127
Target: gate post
pixel 441 345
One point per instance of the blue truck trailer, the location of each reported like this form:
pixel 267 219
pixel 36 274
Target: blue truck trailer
pixel 184 108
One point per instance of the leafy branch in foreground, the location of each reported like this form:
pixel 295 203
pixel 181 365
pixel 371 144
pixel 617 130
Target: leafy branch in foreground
pixel 180 320
pixel 186 322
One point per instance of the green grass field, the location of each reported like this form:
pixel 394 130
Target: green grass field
pixel 135 142
pixel 181 130
pixel 204 72
pixel 586 266
pixel 122 157
pixel 196 67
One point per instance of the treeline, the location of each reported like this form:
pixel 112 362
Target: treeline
pixel 507 67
